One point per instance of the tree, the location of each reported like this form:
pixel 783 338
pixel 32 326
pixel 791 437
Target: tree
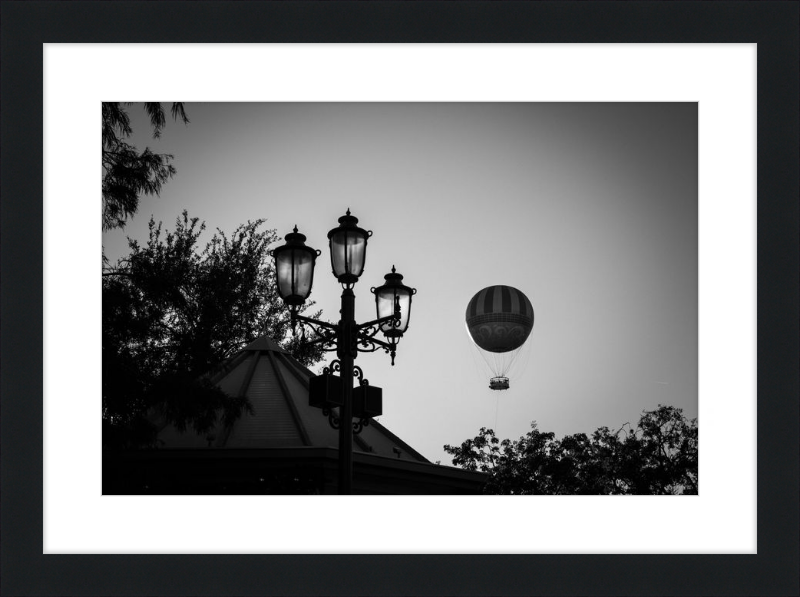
pixel 128 173
pixel 659 456
pixel 172 312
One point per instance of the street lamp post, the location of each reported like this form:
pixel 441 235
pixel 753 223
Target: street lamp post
pixel 294 267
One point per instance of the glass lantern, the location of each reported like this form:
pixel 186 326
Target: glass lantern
pixel 294 268
pixel 390 298
pixel 348 245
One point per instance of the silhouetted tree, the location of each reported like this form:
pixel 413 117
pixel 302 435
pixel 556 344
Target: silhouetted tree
pixel 659 456
pixel 128 173
pixel 171 312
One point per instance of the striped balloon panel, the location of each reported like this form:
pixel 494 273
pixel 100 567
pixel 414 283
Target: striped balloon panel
pixel 499 318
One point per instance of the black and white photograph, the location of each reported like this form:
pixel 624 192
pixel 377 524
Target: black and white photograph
pixel 419 298
pixel 403 298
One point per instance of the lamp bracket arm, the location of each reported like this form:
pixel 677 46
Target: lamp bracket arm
pixel 365 340
pixel 366 343
pixel 327 333
pixel 328 342
pixel 315 322
pixel 368 348
pixel 378 322
pixel 364 334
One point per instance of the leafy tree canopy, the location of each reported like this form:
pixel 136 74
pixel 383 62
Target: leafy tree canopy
pixel 171 312
pixel 127 172
pixel 658 456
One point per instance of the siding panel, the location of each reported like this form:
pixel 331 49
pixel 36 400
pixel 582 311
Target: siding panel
pixel 272 424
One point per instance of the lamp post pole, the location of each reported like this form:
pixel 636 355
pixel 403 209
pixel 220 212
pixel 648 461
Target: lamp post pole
pixel 294 268
pixel 345 352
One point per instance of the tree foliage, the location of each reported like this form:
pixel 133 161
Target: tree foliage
pixel 658 456
pixel 127 172
pixel 171 312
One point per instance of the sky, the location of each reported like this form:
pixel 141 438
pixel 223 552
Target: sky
pixel 590 209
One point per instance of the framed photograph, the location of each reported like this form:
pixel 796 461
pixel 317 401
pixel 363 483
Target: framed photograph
pixel 713 86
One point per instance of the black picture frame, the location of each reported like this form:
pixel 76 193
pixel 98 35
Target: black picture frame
pixel 773 25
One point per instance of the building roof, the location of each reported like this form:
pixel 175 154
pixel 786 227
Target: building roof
pixel 277 386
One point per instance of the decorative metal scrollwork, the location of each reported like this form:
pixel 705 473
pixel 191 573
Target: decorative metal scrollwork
pixel 333 418
pixel 358 426
pixel 369 331
pixel 327 334
pixel 334 421
pixel 335 366
pixel 368 343
pixel 359 375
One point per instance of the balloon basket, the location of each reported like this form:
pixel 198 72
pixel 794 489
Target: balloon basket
pixel 498 383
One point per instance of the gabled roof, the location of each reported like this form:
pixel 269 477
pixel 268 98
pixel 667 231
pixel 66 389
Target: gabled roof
pixel 277 387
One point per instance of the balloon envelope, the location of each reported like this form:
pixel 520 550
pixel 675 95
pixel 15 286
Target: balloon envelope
pixel 499 318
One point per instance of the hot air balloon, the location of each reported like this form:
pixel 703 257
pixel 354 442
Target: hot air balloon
pixel 499 320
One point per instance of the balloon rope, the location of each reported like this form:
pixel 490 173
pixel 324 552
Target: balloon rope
pixel 496 405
